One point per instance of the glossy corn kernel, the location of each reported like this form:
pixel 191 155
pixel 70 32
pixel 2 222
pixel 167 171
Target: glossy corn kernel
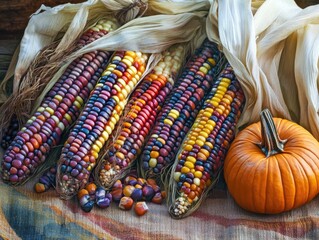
pixel 126 203
pixel 140 114
pixel 139 189
pixel 202 154
pixel 140 208
pixel 97 121
pixel 180 109
pixel 59 109
pixel 46 181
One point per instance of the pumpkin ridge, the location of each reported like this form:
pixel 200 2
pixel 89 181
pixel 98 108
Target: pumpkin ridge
pixel 303 171
pixel 256 168
pixel 309 180
pixel 239 169
pixel 281 179
pixel 291 173
pixel 259 184
pixel 231 162
pixel 266 188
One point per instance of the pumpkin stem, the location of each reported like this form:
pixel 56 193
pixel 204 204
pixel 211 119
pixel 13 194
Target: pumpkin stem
pixel 271 143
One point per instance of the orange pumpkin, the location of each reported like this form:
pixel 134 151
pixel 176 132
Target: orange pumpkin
pixel 266 174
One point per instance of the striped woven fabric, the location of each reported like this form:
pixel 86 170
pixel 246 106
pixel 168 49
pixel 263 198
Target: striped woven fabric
pixel 25 214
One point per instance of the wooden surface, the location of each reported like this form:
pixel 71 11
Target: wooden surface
pixel 14 14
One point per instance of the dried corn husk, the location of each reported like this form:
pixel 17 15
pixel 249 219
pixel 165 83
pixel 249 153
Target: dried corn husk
pixel 160 32
pixel 268 44
pixel 160 35
pixel 48 39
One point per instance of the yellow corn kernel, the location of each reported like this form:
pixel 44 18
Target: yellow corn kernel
pixel 168 121
pixel 130 86
pixel 127 61
pixel 222 88
pixel 131 54
pixel 112 65
pixel 212 61
pixel 117 88
pixel 204 134
pixel 193 138
pixel 161 140
pixel 226 80
pixel 116 98
pixel 100 141
pixel 49 110
pixel 105 135
pixel 118 58
pixel 77 104
pixel 202 138
pixel 207 114
pixel 120 155
pixel 133 70
pixel 177 176
pixel 94 153
pixel 185 170
pixel 68 117
pixel 58 97
pixel 188 147
pixel 198 174
pixel 189 164
pixel 205 152
pixel 203 70
pixel 99 144
pixel 96 148
pixel 152 162
pixel 206 130
pixel 200 142
pixel 219 110
pixel 125 93
pixel 209 145
pixel 119 142
pixel 226 100
pixel 191 159
pixel 219 96
pixel 106 73
pixel 211 122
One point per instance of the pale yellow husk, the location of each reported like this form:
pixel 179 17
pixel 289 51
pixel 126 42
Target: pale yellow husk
pixel 272 46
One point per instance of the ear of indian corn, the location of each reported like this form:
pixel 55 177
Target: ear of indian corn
pixel 140 114
pixel 202 154
pixel 180 109
pixel 59 109
pixel 97 121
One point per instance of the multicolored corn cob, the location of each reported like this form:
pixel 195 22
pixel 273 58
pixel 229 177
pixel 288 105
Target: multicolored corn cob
pixel 139 118
pixel 180 109
pixel 9 133
pixel 97 121
pixel 59 109
pixel 202 154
